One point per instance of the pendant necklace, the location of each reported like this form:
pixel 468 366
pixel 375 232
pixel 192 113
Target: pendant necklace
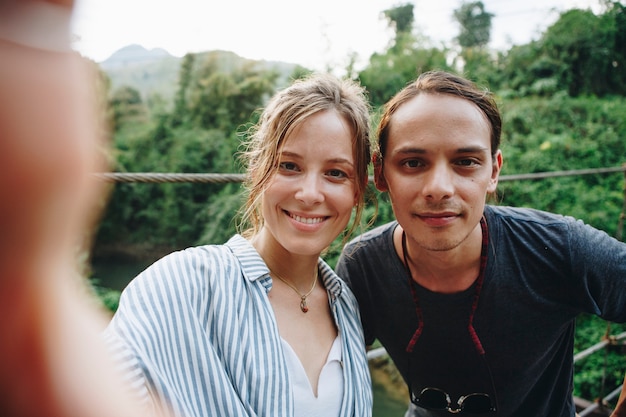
pixel 303 305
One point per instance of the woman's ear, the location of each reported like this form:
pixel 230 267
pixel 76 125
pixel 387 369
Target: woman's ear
pixel 379 175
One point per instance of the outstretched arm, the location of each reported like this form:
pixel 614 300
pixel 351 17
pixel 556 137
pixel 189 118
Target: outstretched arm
pixel 52 360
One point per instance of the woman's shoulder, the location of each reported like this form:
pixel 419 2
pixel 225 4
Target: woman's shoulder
pixel 185 270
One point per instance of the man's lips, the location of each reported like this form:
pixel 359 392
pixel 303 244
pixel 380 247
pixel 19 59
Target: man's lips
pixel 439 218
pixel 442 214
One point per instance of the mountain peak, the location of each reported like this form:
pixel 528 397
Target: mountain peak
pixel 134 54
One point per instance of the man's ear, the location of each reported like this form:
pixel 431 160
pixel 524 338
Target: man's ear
pixel 495 172
pixel 379 175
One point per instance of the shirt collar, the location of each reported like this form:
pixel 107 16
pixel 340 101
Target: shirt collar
pixel 254 268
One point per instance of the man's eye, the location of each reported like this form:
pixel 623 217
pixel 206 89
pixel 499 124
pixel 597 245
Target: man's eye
pixel 466 162
pixel 412 163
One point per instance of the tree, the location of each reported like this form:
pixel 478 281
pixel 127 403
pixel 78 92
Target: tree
pixel 406 57
pixel 590 50
pixel 184 80
pixel 223 95
pixel 400 19
pixel 574 41
pixel 475 24
pixel 615 20
pixel 127 106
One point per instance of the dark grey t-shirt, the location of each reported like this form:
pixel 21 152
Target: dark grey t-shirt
pixel 542 271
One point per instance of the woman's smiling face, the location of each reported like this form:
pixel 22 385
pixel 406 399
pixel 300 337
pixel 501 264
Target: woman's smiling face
pixel 309 200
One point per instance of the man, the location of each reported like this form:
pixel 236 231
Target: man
pixel 474 303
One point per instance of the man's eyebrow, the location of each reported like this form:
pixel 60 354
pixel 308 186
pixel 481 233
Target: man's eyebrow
pixel 473 149
pixel 467 149
pixel 411 150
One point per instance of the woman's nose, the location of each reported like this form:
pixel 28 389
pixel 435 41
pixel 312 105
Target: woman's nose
pixel 310 190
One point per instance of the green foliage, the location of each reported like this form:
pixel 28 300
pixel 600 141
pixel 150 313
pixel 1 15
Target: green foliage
pixel 170 214
pixel 404 60
pixel 389 72
pixel 475 23
pixel 578 41
pixel 109 298
pixel 215 93
pixel 560 134
pixel 221 215
pixel 127 107
pixel 400 18
pixel 478 65
pixel 215 97
pixel 581 54
pixel 598 374
pixel 184 80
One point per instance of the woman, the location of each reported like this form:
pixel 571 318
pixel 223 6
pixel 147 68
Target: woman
pixel 261 326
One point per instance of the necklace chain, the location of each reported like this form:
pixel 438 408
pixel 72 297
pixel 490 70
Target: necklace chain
pixel 303 305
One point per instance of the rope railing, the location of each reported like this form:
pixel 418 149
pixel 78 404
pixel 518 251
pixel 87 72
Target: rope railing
pixel 152 177
pixel 568 173
pixel 593 407
pixel 605 342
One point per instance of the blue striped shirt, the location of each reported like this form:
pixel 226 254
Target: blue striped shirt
pixel 196 331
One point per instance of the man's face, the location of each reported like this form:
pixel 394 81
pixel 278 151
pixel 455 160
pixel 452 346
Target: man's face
pixel 438 169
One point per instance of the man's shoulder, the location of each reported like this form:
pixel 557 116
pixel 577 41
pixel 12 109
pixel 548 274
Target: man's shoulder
pixel 524 214
pixel 528 225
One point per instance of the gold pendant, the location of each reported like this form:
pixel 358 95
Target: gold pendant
pixel 303 305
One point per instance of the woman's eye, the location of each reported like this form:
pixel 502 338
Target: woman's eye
pixel 288 166
pixel 337 173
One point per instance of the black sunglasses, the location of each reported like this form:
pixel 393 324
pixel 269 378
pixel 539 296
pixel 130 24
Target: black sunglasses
pixel 435 398
pixel 432 398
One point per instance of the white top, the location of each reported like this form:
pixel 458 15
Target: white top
pixel 329 388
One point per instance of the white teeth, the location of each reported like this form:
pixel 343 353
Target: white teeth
pixel 307 220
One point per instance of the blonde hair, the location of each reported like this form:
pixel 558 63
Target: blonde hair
pixel 287 110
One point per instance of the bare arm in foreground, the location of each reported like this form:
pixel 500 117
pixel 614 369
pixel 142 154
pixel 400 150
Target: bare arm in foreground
pixel 52 361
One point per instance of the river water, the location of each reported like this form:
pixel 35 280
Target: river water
pixel 116 273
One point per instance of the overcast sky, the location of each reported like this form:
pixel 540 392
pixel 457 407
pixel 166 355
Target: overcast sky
pixel 311 33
